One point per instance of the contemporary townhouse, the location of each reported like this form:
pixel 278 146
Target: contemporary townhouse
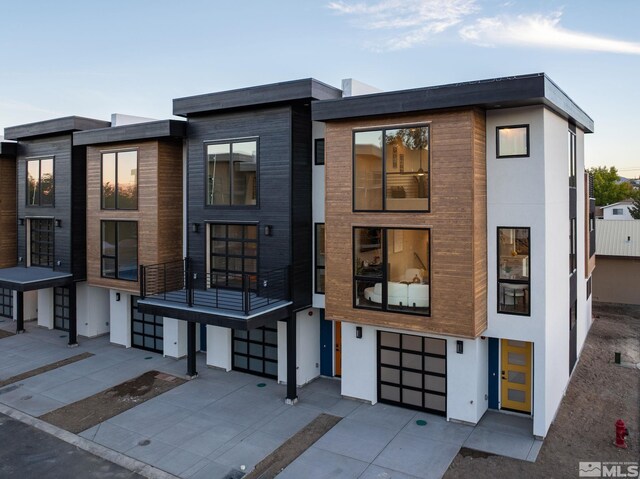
pixel 8 221
pixel 452 234
pixel 49 259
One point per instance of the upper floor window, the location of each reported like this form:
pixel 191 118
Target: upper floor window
pixel 391 269
pixel 573 246
pixel 319 150
pixel 320 258
pixel 617 211
pixel 512 141
pixel 40 182
pixel 41 242
pixel 120 180
pixel 572 159
pixel 119 250
pixel 231 173
pixel 391 169
pixel 513 271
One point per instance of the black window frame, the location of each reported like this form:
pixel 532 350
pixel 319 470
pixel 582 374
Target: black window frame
pixel 116 187
pixel 318 267
pixel 573 246
pixel 511 127
pixel 384 278
pixel 248 338
pixel 572 159
pixel 383 130
pixel 61 307
pixel 50 253
pixel 226 239
pixel 513 281
pixel 146 319
pixel 6 303
pixel 53 182
pixel 231 141
pixel 115 257
pixel 589 287
pixel 318 145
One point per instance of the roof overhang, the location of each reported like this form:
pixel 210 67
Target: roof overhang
pixel 497 93
pixel 23 279
pixel 264 95
pixel 137 131
pixel 8 148
pixel 57 126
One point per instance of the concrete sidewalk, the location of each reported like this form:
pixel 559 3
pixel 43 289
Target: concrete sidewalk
pixel 224 423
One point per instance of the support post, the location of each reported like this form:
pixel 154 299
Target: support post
pixel 191 350
pixel 292 396
pixel 20 312
pixel 73 316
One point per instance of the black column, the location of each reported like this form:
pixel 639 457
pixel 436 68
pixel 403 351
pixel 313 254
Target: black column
pixel 291 359
pixel 191 349
pixel 73 316
pixel 20 313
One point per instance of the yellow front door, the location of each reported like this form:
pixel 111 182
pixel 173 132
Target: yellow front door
pixel 516 376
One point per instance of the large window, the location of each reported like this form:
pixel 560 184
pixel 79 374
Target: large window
pixel 120 250
pixel 233 252
pixel 391 269
pixel 231 173
pixel 120 180
pixel 320 258
pixel 391 169
pixel 573 247
pixel 41 242
pixel 513 271
pixel 512 141
pixel 40 182
pixel 572 159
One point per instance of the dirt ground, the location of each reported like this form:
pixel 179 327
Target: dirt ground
pixel 600 393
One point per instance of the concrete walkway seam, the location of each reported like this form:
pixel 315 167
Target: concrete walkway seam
pixel 99 450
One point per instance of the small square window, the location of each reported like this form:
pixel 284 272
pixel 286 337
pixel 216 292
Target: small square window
pixel 512 141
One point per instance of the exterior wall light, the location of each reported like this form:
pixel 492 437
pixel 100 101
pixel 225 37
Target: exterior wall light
pixel 21 221
pixel 58 223
pixel 459 347
pixel 359 332
pixel 117 296
pixel 195 227
pixel 268 230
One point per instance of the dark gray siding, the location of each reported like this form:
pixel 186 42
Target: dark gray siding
pixel 79 213
pixel 59 147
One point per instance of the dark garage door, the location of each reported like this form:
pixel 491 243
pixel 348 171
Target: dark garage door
pixel 146 329
pixel 256 351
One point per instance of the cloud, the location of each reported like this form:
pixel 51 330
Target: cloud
pixel 538 30
pixel 417 20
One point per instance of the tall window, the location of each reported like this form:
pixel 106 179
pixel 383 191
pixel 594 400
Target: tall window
pixel 319 150
pixel 320 258
pixel 120 250
pixel 573 246
pixel 40 182
pixel 231 173
pixel 41 242
pixel 572 159
pixel 513 271
pixel 391 170
pixel 120 180
pixel 391 269
pixel 234 252
pixel 512 141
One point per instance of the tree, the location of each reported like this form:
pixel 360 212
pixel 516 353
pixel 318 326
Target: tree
pixel 635 208
pixel 607 188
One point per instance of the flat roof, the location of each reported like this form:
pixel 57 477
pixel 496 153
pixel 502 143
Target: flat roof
pixel 135 131
pixel 274 93
pixel 55 126
pixel 20 278
pixel 8 148
pixel 495 93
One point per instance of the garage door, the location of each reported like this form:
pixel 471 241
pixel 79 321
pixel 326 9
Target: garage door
pixel 256 351
pixel 6 303
pixel 61 310
pixel 412 371
pixel 146 329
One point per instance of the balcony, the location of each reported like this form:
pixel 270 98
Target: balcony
pixel 239 301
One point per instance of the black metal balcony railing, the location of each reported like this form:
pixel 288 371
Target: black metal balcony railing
pixel 179 282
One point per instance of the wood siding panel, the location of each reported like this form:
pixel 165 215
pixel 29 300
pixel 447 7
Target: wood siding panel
pixel 159 206
pixel 8 213
pixel 457 221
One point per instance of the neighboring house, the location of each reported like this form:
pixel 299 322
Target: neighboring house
pixel 425 246
pixel 618 211
pixel 617 277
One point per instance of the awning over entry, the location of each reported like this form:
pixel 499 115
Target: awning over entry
pixel 23 279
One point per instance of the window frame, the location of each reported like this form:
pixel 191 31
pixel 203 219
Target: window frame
pixel 510 127
pixel 52 243
pixel 317 160
pixel 316 254
pixel 116 195
pixel 573 145
pixel 384 279
pixel 513 281
pixel 115 257
pixel 617 212
pixel 211 270
pixel 230 141
pixel 39 159
pixel 573 246
pixel 384 129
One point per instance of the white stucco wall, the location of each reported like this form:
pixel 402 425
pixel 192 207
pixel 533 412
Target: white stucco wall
pixel 307 347
pixel 30 305
pixel 607 213
pixel 93 310
pixel 45 308
pixel 174 341
pixel 219 347
pixel 317 129
pixel 120 318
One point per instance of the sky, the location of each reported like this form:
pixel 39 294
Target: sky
pixel 94 58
